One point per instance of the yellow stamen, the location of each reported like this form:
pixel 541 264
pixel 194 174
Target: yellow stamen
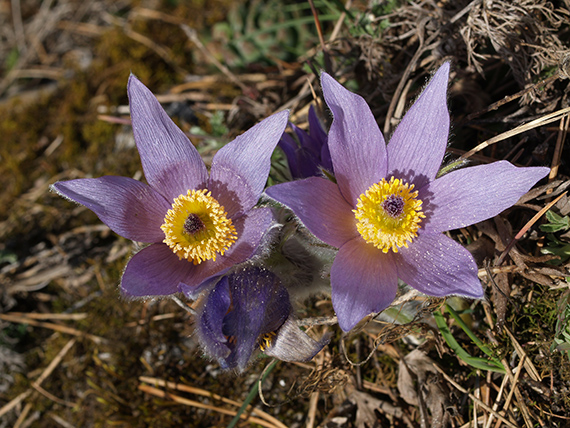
pixel 266 341
pixel 389 214
pixel 196 228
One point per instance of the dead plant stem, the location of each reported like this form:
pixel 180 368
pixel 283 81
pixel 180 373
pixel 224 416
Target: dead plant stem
pixel 475 399
pixel 513 385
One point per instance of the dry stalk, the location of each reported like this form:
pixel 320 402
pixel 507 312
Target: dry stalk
pixel 52 397
pixel 49 316
pixel 22 417
pixel 52 326
pixel 497 400
pixel 193 37
pixel 552 117
pixel 526 227
pixel 14 402
pixel 557 155
pixel 529 367
pixel 511 392
pixel 181 400
pixel 475 399
pixel 314 400
pixel 54 363
pixel 198 391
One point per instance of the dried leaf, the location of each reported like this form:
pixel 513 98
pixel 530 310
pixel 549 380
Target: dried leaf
pixel 499 296
pixel 481 249
pixel 366 406
pixel 420 384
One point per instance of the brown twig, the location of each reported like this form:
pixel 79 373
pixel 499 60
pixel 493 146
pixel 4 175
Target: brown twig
pixel 497 400
pixel 181 400
pixel 193 36
pixel 49 316
pixel 512 97
pixel 314 400
pixel 54 363
pixel 528 363
pixel 529 367
pixel 199 391
pixel 22 417
pixel 475 399
pixel 52 326
pixel 14 402
pixel 61 421
pixel 424 46
pixel 557 155
pixel 541 121
pixel 511 392
pixel 340 21
pixel 52 397
pixel 328 65
pixel 526 227
pixel 36 385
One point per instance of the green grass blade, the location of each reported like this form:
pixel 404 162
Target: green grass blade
pixel 251 395
pixel 476 362
pixel 284 25
pixel 471 335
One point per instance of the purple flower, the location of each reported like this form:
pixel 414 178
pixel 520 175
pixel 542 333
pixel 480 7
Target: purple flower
pixel 246 310
pixel 198 225
pixel 310 153
pixel 387 210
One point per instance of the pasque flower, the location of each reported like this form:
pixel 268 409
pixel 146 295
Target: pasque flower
pixel 198 224
pixel 310 153
pixel 387 210
pixel 249 309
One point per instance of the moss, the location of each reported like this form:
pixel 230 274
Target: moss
pixel 535 327
pixel 389 369
pixel 70 111
pixel 537 319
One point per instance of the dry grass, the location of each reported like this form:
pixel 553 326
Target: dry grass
pixel 74 353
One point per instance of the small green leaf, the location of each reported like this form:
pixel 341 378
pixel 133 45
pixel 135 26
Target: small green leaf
pixel 562 251
pixel 11 59
pixel 556 223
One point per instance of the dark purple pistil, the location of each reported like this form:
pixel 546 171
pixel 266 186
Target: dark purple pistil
pixel 193 224
pixel 393 205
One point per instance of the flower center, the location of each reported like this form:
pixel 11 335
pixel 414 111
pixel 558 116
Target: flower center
pixel 389 214
pixel 196 228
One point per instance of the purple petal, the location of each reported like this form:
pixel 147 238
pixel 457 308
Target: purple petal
pixel 130 208
pixel 316 130
pixel 416 149
pixel 240 169
pixel 170 162
pixel 363 281
pixel 193 293
pixel 307 155
pixel 319 139
pixel 256 293
pixel 290 147
pixel 326 161
pixel 438 266
pixel 241 307
pixel 251 229
pixel 260 305
pixel 320 206
pixel 306 140
pixel 357 147
pixel 154 271
pixel 210 315
pixel 470 195
pixel 308 163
